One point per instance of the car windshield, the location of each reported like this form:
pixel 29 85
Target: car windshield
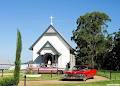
pixel 79 67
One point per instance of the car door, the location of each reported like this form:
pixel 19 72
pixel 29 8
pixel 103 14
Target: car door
pixel 88 73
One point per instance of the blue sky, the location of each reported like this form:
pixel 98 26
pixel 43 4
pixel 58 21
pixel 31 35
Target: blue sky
pixel 32 18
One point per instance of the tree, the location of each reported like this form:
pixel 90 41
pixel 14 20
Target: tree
pixel 18 55
pixel 112 59
pixel 90 37
pixel 108 44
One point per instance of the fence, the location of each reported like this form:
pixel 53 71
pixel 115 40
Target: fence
pixel 112 75
pixel 3 68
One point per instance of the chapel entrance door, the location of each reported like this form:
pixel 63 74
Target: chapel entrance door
pixel 48 58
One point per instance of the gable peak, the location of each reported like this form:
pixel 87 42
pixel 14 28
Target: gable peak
pixel 51 29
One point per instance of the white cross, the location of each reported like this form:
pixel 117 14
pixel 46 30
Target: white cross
pixel 51 18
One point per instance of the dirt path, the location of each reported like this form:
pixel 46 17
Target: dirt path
pixel 46 82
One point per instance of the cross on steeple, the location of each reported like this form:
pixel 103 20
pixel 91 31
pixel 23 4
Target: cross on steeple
pixel 51 20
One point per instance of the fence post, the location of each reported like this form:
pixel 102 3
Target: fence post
pixel 2 72
pixel 38 70
pixel 51 73
pixel 115 76
pixel 57 71
pixel 25 80
pixel 110 74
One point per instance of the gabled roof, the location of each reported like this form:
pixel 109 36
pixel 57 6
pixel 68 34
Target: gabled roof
pixel 48 45
pixel 50 29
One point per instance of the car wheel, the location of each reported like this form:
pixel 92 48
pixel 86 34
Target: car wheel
pixel 60 72
pixel 84 78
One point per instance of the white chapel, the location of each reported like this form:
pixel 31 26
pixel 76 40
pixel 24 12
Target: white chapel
pixel 51 49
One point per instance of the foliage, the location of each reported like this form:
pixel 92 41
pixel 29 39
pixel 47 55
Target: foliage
pixel 18 55
pixel 91 37
pixel 7 81
pixel 108 44
pixel 112 59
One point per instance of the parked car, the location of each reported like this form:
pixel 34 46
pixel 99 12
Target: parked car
pixel 80 72
pixel 45 70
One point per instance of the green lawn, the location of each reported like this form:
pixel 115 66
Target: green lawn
pixel 115 75
pixel 101 83
pixel 115 79
pixel 43 77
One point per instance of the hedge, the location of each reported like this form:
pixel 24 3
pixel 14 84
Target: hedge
pixel 7 81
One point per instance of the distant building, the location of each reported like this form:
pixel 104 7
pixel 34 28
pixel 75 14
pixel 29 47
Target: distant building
pixel 51 49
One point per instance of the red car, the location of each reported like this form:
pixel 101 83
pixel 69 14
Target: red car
pixel 80 72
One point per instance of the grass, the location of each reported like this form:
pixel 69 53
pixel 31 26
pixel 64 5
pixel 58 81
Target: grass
pixel 115 79
pixel 115 75
pixel 101 83
pixel 6 74
pixel 44 77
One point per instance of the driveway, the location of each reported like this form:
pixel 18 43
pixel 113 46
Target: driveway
pixel 46 82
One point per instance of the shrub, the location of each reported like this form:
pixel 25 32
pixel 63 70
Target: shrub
pixel 7 81
pixel 18 55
